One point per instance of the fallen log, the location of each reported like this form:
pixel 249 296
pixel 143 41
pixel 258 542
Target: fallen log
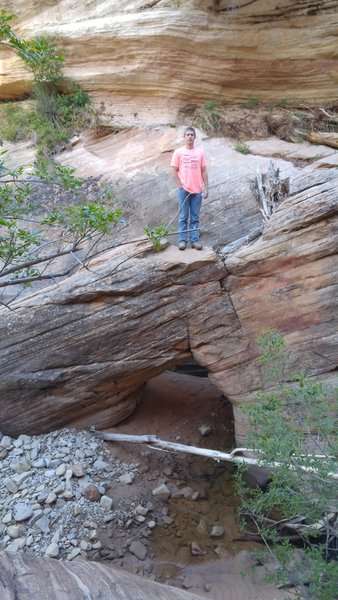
pixel 154 441
pixel 324 138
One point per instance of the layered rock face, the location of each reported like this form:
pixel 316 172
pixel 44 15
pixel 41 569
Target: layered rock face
pixel 78 353
pixel 143 61
pixel 28 577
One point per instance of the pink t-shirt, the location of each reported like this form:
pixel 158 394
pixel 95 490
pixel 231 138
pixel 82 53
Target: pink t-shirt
pixel 189 163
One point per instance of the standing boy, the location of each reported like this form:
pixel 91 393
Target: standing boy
pixel 190 173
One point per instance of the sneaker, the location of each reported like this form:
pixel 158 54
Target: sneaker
pixel 182 245
pixel 197 246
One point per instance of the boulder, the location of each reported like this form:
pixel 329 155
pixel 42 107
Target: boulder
pixel 25 576
pixel 79 352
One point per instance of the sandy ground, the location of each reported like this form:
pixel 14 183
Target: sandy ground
pixel 173 407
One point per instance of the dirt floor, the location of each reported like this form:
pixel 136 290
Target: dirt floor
pixel 180 549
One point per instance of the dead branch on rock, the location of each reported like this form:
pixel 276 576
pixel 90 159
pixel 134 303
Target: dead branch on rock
pixel 154 441
pixel 323 138
pixel 271 190
pixel 245 239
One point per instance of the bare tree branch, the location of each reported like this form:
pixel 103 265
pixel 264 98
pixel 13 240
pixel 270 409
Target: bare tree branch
pixel 153 440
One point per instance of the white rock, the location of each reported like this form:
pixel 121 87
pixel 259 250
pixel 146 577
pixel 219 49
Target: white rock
pixel 61 470
pixel 7 518
pixel 21 466
pixel 51 498
pixel 217 531
pixel 52 550
pixel 6 442
pixel 73 554
pixel 22 512
pixel 13 531
pixel 141 510
pixel 139 518
pixel 10 485
pixel 84 545
pixel 161 492
pixel 151 524
pixel 42 524
pixel 16 545
pixel 127 478
pixel 106 502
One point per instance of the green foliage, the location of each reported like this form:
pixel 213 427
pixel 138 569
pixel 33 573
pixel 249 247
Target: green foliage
pixel 16 122
pixel 41 55
pixel 56 115
pixel 210 106
pixel 157 235
pixel 5 21
pixel 21 258
pixel 294 427
pixel 85 220
pixel 242 148
pixel 52 118
pixel 251 102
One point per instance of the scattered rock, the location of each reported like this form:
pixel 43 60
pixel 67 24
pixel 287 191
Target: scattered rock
pixel 106 502
pixel 192 580
pixel 127 478
pixel 196 549
pixel 79 470
pixel 217 531
pixel 21 466
pixel 205 430
pixel 162 492
pixel 13 531
pixel 10 485
pixel 202 527
pixel 22 512
pixel 43 504
pixel 92 493
pixel 52 550
pixel 138 549
pixel 74 553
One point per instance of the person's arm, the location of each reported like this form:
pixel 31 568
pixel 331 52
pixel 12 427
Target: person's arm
pixel 205 181
pixel 174 171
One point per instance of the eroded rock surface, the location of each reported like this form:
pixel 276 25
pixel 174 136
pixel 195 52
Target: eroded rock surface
pixel 79 352
pixel 146 60
pixel 29 577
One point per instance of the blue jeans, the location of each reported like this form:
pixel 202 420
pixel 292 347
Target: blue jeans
pixel 189 215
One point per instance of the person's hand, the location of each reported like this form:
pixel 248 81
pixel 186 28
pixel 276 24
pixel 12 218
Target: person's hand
pixel 206 194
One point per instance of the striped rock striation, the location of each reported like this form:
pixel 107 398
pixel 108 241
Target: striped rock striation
pixel 143 61
pixel 79 352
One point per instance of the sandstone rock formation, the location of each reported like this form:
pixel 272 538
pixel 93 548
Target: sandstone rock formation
pixel 24 577
pixel 79 352
pixel 143 61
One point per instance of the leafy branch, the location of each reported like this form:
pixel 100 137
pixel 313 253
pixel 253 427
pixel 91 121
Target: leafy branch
pixel 293 427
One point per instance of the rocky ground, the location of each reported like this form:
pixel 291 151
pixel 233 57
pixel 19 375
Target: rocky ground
pixel 170 517
pixel 54 493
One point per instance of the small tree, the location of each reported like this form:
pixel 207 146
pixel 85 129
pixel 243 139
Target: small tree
pixel 30 242
pixel 294 426
pixel 55 115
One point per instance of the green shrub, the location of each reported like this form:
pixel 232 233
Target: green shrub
pixel 16 122
pixel 242 148
pixel 157 235
pixel 251 102
pixel 210 105
pixel 294 427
